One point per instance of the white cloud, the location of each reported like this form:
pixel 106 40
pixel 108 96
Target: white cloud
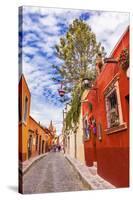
pixel 108 27
pixel 45 112
pixel 29 50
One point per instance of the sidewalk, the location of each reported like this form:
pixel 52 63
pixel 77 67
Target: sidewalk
pixel 25 166
pixel 89 175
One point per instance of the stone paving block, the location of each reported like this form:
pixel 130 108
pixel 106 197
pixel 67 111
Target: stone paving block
pixel 89 175
pixel 52 173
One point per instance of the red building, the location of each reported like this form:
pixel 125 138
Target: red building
pixel 106 117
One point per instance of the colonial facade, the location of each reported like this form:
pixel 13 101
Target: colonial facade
pixel 73 138
pixel 102 136
pixel 34 139
pixel 106 117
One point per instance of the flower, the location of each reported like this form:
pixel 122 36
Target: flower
pixel 124 59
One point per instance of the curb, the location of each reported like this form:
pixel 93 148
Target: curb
pixel 81 176
pixel 93 182
pixel 23 170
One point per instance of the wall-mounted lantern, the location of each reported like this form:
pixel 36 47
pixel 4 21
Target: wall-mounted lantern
pixel 86 83
pixel 110 60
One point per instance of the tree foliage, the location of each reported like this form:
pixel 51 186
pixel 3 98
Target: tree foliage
pixel 78 50
pixel 72 116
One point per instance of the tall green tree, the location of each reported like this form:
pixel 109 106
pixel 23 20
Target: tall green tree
pixel 78 50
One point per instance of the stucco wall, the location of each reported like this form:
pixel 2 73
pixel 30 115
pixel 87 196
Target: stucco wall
pixel 30 126
pixel 80 143
pixel 72 146
pixel 23 125
pixel 112 152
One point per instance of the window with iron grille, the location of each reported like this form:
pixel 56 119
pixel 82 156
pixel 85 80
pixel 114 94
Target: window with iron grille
pixel 86 129
pixel 112 109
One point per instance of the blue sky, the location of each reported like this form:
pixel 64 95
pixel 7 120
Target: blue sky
pixel 41 30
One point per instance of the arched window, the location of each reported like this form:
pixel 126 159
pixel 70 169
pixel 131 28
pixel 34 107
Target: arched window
pixel 86 129
pixel 25 108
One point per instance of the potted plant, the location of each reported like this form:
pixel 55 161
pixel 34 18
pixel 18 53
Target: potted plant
pixel 124 59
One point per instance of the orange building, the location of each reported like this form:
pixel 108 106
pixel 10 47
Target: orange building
pixel 37 138
pixel 106 118
pixel 24 113
pixel 34 139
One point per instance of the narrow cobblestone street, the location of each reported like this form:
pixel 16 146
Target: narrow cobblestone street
pixel 52 173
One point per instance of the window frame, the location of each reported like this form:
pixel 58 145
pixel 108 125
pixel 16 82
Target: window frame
pixel 114 86
pixel 25 109
pixel 109 110
pixel 85 118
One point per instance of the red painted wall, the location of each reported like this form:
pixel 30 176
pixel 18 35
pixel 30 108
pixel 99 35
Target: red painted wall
pixel 89 145
pixel 112 153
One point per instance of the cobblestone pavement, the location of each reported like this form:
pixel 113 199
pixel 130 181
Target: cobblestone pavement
pixel 52 173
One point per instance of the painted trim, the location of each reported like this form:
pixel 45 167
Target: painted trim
pixel 115 87
pixel 121 127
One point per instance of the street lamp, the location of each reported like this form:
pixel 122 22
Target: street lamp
pixel 61 91
pixel 86 83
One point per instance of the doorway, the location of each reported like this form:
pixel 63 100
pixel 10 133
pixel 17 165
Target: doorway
pixel 43 146
pixel 40 145
pixel 30 146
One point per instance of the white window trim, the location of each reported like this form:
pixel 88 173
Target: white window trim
pixel 85 118
pixel 115 88
pixel 119 102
